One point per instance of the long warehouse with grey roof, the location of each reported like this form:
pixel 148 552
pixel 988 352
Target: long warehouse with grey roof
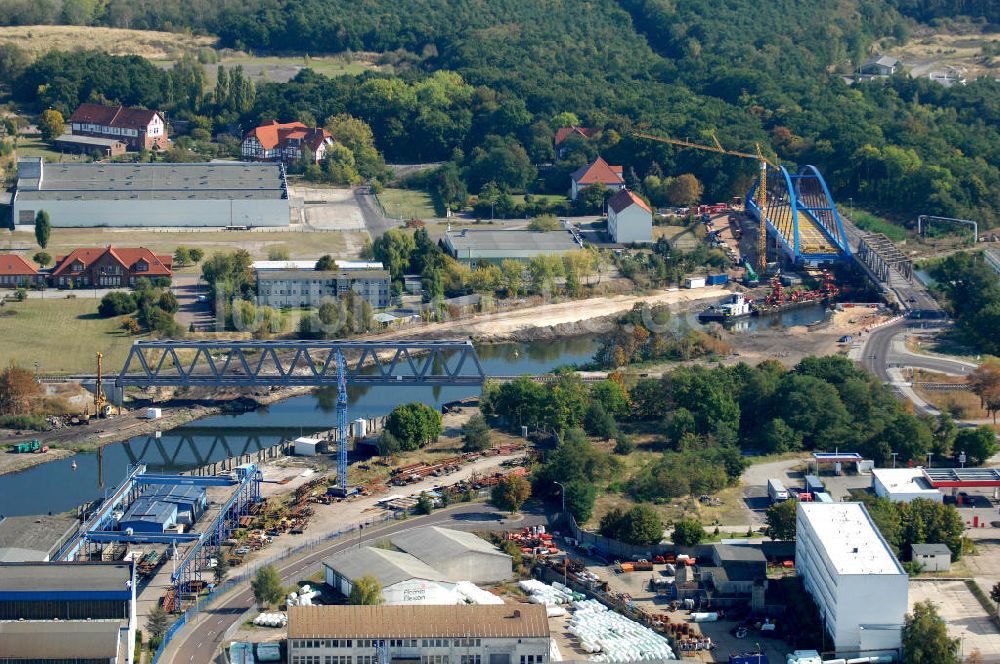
pixel 151 194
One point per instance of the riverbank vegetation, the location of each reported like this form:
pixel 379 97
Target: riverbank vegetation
pixel 648 334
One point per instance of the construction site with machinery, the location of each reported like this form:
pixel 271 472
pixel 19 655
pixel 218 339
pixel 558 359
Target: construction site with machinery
pixel 794 245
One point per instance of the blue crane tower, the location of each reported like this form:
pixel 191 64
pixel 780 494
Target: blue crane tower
pixel 342 489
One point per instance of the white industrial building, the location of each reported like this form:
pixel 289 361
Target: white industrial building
pixel 499 634
pixel 151 194
pixel 404 579
pixel 307 446
pixel 852 574
pixel 901 485
pixel 630 219
pixel 458 555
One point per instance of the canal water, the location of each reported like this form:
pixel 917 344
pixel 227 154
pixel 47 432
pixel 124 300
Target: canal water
pixel 802 316
pixel 56 487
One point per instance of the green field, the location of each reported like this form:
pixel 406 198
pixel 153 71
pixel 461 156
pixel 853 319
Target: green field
pixel 34 146
pixel 283 68
pixel 61 335
pixel 551 198
pixel 340 244
pixel 407 203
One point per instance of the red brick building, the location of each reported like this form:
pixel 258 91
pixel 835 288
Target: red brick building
pixel 16 271
pixel 109 267
pixel 285 142
pixel 137 128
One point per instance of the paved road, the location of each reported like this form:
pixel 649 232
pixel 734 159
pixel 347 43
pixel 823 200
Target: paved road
pixel 187 288
pixel 375 222
pixel 885 348
pixel 200 640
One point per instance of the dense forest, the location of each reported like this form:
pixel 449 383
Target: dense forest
pixel 971 290
pixel 483 85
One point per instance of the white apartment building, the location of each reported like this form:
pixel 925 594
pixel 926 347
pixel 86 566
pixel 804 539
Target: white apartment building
pixel 630 219
pixel 460 634
pixel 852 574
pixel 311 287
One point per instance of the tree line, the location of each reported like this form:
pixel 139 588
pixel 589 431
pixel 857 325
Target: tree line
pixel 706 418
pixel 486 98
pixel 971 290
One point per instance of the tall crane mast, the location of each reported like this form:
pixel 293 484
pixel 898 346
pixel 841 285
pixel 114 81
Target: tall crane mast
pixel 100 399
pixel 761 194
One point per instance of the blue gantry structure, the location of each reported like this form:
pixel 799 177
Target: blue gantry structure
pixel 801 219
pixel 142 509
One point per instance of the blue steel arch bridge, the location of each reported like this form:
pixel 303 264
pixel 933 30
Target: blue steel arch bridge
pixel 800 217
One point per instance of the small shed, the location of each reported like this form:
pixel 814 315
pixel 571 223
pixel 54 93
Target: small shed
pixel 306 446
pixel 932 557
pixel 148 515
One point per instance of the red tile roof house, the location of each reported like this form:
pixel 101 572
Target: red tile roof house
pixel 285 142
pixel 16 272
pixel 109 267
pixel 565 132
pixel 598 172
pixel 137 128
pixel 630 219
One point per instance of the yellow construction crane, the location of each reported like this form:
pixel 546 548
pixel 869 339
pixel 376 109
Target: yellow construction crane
pixel 761 194
pixel 100 400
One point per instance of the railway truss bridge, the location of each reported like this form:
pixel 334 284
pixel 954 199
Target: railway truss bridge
pixel 299 363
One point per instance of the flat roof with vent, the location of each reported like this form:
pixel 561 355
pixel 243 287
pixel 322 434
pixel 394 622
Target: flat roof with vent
pixel 465 239
pixel 159 181
pixel 962 477
pixel 846 532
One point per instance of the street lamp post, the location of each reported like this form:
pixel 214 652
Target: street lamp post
pixel 929 455
pixel 894 455
pixel 562 494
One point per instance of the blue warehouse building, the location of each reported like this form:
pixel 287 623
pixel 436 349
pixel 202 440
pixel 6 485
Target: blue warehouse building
pixel 190 500
pixel 149 515
pixel 81 612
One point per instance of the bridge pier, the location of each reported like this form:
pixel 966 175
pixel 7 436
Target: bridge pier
pixel 114 394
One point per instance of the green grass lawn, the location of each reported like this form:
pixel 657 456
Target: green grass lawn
pixel 34 146
pixel 551 198
pixel 873 224
pixel 279 69
pixel 407 203
pixel 61 335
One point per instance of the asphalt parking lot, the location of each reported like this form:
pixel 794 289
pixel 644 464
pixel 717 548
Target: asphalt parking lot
pixel 966 619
